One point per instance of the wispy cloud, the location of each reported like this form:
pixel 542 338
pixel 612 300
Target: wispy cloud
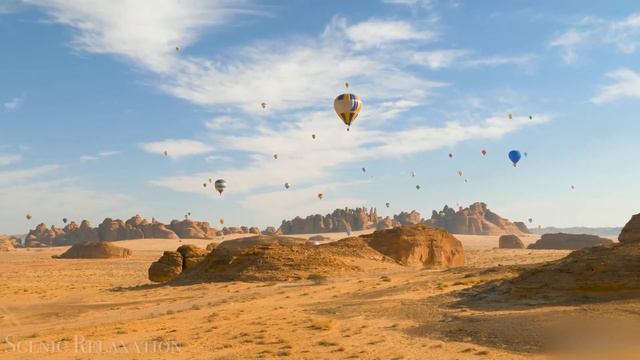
pixel 7 159
pixel 177 148
pixel 13 104
pixel 108 153
pixel 100 155
pixel 88 158
pixel 625 83
pixel 13 176
pixel 463 58
pixel 376 32
pixel 623 34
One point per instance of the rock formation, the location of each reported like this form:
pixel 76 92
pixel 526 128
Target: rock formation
pixel 270 230
pixel 405 218
pixel 631 231
pixel 474 220
pixel 387 223
pixel 95 250
pixel 510 242
pixel 418 245
pixel 74 234
pixel 338 221
pixel 569 242
pixel 172 263
pixel 7 243
pixel 189 229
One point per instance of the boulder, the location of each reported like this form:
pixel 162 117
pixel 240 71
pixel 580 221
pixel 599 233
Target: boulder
pixel 95 250
pixel 631 231
pixel 418 245
pixel 510 242
pixel 562 241
pixel 191 255
pixel 167 268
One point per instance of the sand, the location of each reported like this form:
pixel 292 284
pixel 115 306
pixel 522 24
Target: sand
pixel 68 309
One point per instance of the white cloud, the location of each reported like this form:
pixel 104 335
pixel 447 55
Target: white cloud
pixel 108 153
pixel 7 159
pixel 225 123
pixel 446 58
pixel 146 32
pixel 177 148
pixel 13 104
pixel 625 84
pixel 375 32
pixel 623 34
pixel 13 176
pixel 88 158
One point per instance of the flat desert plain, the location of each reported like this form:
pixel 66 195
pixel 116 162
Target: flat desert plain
pixel 80 309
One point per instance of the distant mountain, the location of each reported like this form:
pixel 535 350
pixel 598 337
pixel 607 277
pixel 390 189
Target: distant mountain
pixel 599 231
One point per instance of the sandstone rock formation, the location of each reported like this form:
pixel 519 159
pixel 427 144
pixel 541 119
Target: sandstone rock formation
pixel 474 220
pixel 95 250
pixel 74 234
pixel 191 255
pixel 418 245
pixel 405 218
pixel 631 231
pixel 167 268
pixel 7 243
pixel 338 221
pixel 189 229
pixel 387 223
pixel 158 230
pixel 270 230
pixel 510 242
pixel 569 242
pixel 40 236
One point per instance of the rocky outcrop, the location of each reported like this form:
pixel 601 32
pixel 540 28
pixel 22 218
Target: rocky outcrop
pixel 74 234
pixel 167 268
pixel 631 231
pixel 172 263
pixel 189 229
pixel 254 230
pixel 569 242
pixel 270 230
pixel 338 221
pixel 522 227
pixel 40 236
pixel 95 250
pixel 474 220
pixel 7 243
pixel 387 223
pixel 418 245
pixel 510 242
pixel 157 230
pixel 405 218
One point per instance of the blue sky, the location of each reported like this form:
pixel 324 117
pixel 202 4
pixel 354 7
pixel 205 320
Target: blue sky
pixel 92 93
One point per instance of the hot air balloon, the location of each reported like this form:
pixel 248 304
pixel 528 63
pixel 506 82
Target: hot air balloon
pixel 166 153
pixel 418 187
pixel 64 220
pixel 573 187
pixel 220 185
pixel 514 156
pixel 510 116
pixel 221 221
pixel 313 136
pixel 347 106
pixel 525 154
pixel 483 152
pixel 204 185
pixel 364 170
pixel 275 156
pixel 189 213
pixel 539 227
pixel 530 117
pixel 210 181
pixel 530 220
pixel 413 174
pixel 28 216
pixel 264 105
pixel 466 180
pixel 460 173
pixel 320 196
pixel 346 85
pixel 387 204
pixel 286 185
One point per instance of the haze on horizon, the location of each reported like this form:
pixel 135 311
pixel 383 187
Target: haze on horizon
pixel 93 92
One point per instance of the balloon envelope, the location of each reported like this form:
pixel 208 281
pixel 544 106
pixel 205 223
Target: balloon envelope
pixel 220 185
pixel 347 106
pixel 514 156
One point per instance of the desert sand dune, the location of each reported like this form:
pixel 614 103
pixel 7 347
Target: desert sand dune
pixel 383 312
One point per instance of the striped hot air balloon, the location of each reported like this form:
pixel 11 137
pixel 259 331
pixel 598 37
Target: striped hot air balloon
pixel 347 106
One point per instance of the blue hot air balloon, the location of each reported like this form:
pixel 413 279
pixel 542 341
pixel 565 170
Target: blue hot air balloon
pixel 514 156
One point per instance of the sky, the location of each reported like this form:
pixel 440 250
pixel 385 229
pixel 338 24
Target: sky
pixel 93 92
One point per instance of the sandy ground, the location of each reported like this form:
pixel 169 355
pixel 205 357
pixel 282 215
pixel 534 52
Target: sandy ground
pixel 78 309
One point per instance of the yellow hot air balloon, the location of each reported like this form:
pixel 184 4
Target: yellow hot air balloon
pixel 347 106
pixel 28 216
pixel 510 116
pixel 221 221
